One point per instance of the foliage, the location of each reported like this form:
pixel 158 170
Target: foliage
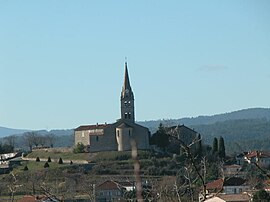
pixel 261 196
pixel 80 148
pixel 46 165
pixel 221 148
pixel 6 148
pixel 160 138
pixel 25 168
pixel 215 146
pixel 37 159
pixel 60 161
pixel 49 159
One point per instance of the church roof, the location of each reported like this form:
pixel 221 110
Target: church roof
pixel 91 127
pixel 124 125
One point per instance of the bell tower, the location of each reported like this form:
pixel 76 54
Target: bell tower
pixel 127 99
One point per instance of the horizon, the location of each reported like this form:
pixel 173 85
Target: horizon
pixel 162 119
pixel 62 63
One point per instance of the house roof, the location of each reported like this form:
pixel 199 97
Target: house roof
pixel 259 154
pixel 231 181
pixel 234 181
pixel 235 197
pixel 124 125
pixel 216 184
pixel 181 126
pixel 110 185
pixel 91 127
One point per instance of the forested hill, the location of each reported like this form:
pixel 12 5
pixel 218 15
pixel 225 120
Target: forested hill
pixel 252 113
pixel 239 135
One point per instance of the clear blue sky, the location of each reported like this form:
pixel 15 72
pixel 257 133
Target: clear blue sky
pixel 62 62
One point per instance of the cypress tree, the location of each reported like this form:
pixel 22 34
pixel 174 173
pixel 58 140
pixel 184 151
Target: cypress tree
pixel 37 159
pixel 46 165
pixel 49 159
pixel 162 138
pixel 215 146
pixel 60 161
pixel 221 148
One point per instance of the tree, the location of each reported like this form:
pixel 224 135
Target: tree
pixel 37 159
pixel 10 140
pixel 46 165
pixel 50 139
pixel 221 148
pixel 161 137
pixel 79 148
pixel 60 161
pixel 261 196
pixel 29 139
pixel 49 159
pixel 215 146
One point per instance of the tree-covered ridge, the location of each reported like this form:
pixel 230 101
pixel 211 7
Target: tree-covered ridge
pixel 245 134
pixel 252 113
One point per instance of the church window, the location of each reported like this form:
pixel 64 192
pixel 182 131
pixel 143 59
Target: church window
pixel 126 115
pixel 82 134
pixel 118 133
pixel 129 115
pixel 97 138
pixel 129 132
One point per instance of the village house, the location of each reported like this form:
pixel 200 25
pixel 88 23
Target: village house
pixel 117 136
pixel 232 170
pixel 113 191
pixel 231 185
pixel 262 158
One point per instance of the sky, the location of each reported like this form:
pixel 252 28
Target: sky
pixel 62 62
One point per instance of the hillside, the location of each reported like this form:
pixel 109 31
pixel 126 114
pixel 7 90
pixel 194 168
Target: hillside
pixel 9 131
pixel 252 113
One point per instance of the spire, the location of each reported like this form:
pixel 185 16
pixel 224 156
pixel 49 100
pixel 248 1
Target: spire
pixel 126 79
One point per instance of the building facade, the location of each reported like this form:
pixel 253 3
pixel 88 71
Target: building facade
pixel 116 136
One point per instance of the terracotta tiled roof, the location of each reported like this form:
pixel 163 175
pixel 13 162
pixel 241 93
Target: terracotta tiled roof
pixel 259 154
pixel 215 185
pixel 91 127
pixel 235 197
pixel 27 199
pixel 109 185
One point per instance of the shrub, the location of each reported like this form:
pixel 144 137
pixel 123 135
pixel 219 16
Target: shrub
pixel 71 162
pixel 46 165
pixel 49 159
pixel 60 161
pixel 25 168
pixel 80 148
pixel 37 159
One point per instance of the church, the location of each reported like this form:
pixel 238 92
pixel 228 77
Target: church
pixel 116 136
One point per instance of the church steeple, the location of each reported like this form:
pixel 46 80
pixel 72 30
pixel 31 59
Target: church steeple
pixel 127 99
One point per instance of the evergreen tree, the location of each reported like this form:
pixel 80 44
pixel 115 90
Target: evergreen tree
pixel 261 196
pixel 161 137
pixel 215 146
pixel 46 165
pixel 60 161
pixel 49 159
pixel 37 159
pixel 25 168
pixel 221 148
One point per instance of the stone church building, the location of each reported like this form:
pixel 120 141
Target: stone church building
pixel 116 136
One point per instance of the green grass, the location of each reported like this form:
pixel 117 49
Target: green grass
pixel 57 155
